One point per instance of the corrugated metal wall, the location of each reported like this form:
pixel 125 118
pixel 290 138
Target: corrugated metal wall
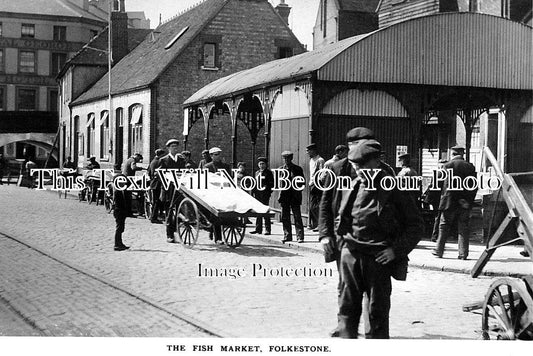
pixel 364 103
pixel 390 132
pixel 457 49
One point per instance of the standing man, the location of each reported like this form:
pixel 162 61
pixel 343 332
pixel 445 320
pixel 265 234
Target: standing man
pixel 69 164
pixel 206 158
pixel 170 161
pixel 291 199
pixel 379 229
pixel 330 203
pixel 263 195
pixel 121 210
pixel 3 166
pixel 189 163
pixel 155 185
pixel 129 169
pixel 455 205
pixel 341 151
pixel 216 161
pixel 316 163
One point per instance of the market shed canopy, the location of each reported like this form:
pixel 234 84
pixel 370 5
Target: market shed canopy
pixel 450 49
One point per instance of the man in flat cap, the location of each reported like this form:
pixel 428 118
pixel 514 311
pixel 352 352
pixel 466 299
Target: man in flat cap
pixel 455 205
pixel 206 158
pixel 155 186
pixel 172 160
pixel 379 229
pixel 263 196
pixel 291 199
pixel 216 161
pixel 330 203
pixel 341 152
pixel 189 163
pixel 316 163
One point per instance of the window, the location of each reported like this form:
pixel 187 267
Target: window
pixel 90 135
pixel 58 61
pixel 1 59
pixel 506 9
pixel 210 55
pixel 27 31
pixel 27 99
pixel 27 62
pixel 0 29
pixel 136 129
pixel 60 33
pixel 78 149
pixel 10 150
pixel 52 100
pixel 285 52
pixel 2 100
pixel 104 135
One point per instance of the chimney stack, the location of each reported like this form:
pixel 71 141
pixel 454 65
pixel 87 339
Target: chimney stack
pixel 284 10
pixel 119 26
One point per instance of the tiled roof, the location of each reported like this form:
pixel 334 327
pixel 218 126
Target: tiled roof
pixel 359 5
pixel 91 53
pixel 146 62
pixel 47 7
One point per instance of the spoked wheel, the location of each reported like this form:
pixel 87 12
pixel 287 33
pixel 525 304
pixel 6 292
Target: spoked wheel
pixel 233 233
pixel 188 225
pixel 508 311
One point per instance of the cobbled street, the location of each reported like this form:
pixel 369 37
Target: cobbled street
pixel 100 292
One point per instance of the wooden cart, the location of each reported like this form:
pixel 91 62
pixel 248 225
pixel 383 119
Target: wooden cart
pixel 222 212
pixel 507 310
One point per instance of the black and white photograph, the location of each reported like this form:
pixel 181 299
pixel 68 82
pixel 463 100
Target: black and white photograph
pixel 266 176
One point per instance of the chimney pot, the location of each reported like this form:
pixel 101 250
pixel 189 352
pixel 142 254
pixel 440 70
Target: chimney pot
pixel 284 11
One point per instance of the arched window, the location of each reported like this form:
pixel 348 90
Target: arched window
pixel 78 137
pixel 136 129
pixel 104 135
pixel 90 135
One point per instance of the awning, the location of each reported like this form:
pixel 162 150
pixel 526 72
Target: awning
pixel 448 49
pixel 104 117
pixel 90 120
pixel 136 115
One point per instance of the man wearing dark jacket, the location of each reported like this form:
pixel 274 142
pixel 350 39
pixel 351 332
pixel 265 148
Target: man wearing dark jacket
pixel 455 205
pixel 379 229
pixel 263 195
pixel 291 199
pixel 171 161
pixel 155 185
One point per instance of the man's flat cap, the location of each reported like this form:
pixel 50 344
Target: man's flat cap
pixel 359 133
pixel 172 141
pixel 311 147
pixel 365 151
pixel 286 154
pixel 262 159
pixel 458 149
pixel 214 150
pixel 404 155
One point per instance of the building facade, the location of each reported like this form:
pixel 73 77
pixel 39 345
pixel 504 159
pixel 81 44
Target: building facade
pixel 149 85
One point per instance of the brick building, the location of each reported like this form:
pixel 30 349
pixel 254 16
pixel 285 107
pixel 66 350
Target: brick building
pixel 211 40
pixel 37 37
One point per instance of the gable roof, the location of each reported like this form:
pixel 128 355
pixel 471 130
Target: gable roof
pixel 145 63
pixel 47 7
pixel 359 5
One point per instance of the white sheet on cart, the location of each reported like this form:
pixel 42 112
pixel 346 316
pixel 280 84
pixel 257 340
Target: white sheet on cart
pixel 228 199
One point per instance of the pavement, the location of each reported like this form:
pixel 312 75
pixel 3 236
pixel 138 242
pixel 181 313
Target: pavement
pixel 78 285
pixel 505 262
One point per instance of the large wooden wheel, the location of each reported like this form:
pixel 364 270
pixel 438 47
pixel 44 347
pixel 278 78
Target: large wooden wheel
pixel 508 311
pixel 188 222
pixel 233 233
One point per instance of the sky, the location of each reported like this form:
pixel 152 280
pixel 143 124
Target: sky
pixel 301 20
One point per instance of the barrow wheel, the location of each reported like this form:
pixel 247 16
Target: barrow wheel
pixel 188 220
pixel 507 311
pixel 233 233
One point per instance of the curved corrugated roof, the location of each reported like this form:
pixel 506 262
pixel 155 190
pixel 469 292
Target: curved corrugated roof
pixel 453 49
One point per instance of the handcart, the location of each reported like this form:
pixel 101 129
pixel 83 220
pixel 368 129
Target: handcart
pixel 219 208
pixel 507 310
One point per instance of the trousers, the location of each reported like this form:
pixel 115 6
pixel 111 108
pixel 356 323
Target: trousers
pixel 448 219
pixel 286 221
pixel 361 274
